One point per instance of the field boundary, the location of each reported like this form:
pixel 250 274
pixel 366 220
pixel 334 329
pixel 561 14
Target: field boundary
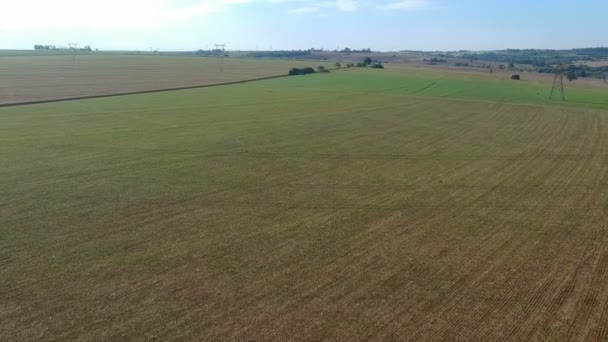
pixel 138 92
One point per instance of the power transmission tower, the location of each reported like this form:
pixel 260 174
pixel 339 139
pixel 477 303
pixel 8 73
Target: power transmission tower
pixel 558 82
pixel 222 51
pixel 74 48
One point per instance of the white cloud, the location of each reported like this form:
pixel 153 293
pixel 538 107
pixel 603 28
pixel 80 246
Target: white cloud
pixel 23 15
pixel 408 5
pixel 304 10
pixel 105 14
pixel 347 5
pixel 341 5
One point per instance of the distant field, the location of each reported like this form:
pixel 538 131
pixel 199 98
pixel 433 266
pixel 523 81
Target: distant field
pixel 27 78
pixel 359 205
pixel 595 64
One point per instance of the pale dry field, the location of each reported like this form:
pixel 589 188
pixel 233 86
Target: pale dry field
pixel 33 78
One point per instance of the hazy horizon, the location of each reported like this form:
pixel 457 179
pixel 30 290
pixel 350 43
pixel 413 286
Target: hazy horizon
pixel 386 25
pixel 64 46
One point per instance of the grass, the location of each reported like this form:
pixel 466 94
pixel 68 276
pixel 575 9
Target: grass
pixel 30 78
pixel 467 86
pixel 345 206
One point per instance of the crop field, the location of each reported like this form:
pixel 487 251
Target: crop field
pixel 31 78
pixel 356 205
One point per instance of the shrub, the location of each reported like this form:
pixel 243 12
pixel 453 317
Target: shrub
pixel 377 66
pixel 367 60
pixel 321 68
pixel 361 65
pixel 301 71
pixel 436 60
pixel 515 77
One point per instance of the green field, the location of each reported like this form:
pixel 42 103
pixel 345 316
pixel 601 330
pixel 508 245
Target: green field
pixel 357 205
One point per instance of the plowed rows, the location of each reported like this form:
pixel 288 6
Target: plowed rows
pixel 274 211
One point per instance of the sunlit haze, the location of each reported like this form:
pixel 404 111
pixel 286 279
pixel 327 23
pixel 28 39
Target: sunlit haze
pixel 301 24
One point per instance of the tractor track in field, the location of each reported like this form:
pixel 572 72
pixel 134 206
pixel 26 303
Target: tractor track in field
pixel 424 88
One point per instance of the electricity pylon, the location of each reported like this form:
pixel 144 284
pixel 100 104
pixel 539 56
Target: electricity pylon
pixel 74 48
pixel 222 49
pixel 558 82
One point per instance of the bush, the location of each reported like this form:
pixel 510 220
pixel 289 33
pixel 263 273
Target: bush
pixel 367 61
pixel 301 71
pixel 516 77
pixel 377 66
pixel 321 68
pixel 361 65
pixel 436 60
pixel 350 65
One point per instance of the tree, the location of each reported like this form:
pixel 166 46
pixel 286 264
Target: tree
pixel 301 71
pixel 337 65
pixel 571 76
pixel 511 66
pixel 571 73
pixel 516 77
pixel 44 47
pixel 367 60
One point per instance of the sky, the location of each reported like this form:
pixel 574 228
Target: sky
pixel 382 25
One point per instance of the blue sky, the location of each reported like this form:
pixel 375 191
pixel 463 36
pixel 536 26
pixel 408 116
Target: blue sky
pixel 295 24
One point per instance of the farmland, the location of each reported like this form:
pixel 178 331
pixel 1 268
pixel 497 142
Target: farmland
pixel 361 204
pixel 31 78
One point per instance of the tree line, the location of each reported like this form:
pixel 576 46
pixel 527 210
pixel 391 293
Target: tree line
pixel 39 47
pixel 322 69
pixel 581 70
